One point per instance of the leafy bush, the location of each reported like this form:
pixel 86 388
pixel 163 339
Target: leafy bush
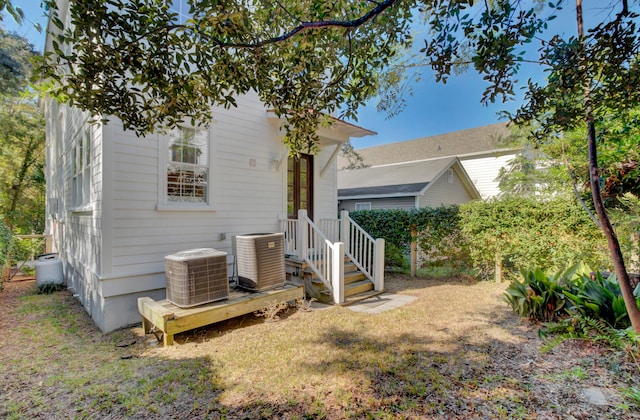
pixel 569 293
pixel 6 245
pixel 439 235
pixel 538 296
pixel 394 257
pixel 521 232
pixel 525 232
pixel 598 298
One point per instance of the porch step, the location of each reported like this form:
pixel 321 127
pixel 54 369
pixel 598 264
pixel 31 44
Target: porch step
pixel 356 284
pixel 358 287
pixel 353 276
pixel 360 297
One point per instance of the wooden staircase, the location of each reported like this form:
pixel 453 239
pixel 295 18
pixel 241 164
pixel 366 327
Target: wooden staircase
pixel 356 284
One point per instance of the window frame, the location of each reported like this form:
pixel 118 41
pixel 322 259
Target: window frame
pixel 450 176
pixel 81 153
pixel 355 205
pixel 164 202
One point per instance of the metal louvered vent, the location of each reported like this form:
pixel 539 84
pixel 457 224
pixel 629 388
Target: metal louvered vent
pixel 196 276
pixel 260 259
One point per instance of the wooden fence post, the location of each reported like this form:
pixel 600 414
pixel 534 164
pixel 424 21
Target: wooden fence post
pixel 414 251
pixel 498 268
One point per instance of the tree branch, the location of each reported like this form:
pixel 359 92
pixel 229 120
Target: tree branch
pixel 305 26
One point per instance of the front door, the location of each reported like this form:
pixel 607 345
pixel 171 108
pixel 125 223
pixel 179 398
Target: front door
pixel 300 186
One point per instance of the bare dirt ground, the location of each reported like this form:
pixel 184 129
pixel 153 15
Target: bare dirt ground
pixel 457 351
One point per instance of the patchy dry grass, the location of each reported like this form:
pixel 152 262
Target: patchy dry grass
pixel 455 352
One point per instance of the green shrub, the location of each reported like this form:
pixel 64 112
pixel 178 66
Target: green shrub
pixel 525 232
pixel 598 298
pixel 521 232
pixel 571 293
pixel 6 247
pixel 394 257
pixel 538 296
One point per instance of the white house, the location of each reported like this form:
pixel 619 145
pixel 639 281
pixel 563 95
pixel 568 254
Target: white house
pixel 118 204
pixel 481 151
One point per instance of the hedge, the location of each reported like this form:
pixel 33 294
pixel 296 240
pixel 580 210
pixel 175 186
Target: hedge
pixel 523 232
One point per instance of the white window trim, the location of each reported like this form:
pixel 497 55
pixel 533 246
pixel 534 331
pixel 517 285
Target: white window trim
pixel 84 135
pixel 355 205
pixel 163 203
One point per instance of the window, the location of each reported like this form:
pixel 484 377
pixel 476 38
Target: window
pixel 188 166
pixel 81 181
pixel 450 176
pixel 363 206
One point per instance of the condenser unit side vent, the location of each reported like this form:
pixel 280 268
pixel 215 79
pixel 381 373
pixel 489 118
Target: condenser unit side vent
pixel 260 260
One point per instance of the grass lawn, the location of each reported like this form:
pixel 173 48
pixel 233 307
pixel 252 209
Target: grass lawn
pixel 457 351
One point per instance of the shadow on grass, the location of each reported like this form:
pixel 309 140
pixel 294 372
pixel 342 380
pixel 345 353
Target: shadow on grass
pixel 399 282
pixel 58 365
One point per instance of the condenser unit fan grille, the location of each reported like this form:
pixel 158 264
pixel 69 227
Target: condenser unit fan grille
pixel 196 276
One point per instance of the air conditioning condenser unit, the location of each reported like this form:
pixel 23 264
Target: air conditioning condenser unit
pixel 260 259
pixel 196 276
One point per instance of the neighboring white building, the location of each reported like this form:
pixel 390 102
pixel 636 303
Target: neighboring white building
pixel 118 204
pixel 482 152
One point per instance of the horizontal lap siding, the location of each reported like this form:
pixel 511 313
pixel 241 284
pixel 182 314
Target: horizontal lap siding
pixel 443 193
pixel 245 198
pixel 77 235
pixel 484 171
pixel 326 193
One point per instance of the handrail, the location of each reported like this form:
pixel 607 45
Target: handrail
pixel 290 229
pixel 366 252
pixel 318 256
pixel 324 247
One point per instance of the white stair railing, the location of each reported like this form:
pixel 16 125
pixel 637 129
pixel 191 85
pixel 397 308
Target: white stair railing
pixel 324 246
pixel 324 258
pixel 290 229
pixel 364 251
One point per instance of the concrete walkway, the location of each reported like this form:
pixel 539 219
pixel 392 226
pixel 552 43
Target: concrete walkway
pixel 381 303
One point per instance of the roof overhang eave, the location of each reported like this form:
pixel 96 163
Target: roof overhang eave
pixel 351 130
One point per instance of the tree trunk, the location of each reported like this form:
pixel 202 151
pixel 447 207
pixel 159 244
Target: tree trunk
pixel 607 228
pixel 594 179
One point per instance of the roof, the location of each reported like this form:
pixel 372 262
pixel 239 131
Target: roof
pixel 474 141
pixel 395 180
pixel 400 189
pixel 350 129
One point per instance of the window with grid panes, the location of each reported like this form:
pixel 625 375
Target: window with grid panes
pixel 81 180
pixel 188 165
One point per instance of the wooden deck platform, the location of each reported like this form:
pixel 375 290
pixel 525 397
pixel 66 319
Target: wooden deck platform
pixel 171 319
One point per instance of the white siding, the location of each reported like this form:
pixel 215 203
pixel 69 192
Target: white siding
pixel 325 187
pixel 246 192
pixel 115 253
pixel 484 171
pixel 443 193
pixel 77 232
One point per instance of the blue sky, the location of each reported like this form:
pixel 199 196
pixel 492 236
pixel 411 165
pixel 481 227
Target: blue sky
pixel 433 109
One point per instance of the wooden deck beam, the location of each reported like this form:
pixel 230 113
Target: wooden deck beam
pixel 171 319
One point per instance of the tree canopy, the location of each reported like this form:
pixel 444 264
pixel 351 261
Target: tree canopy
pixel 22 140
pixel 151 64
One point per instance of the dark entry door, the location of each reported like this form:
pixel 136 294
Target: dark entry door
pixel 300 185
